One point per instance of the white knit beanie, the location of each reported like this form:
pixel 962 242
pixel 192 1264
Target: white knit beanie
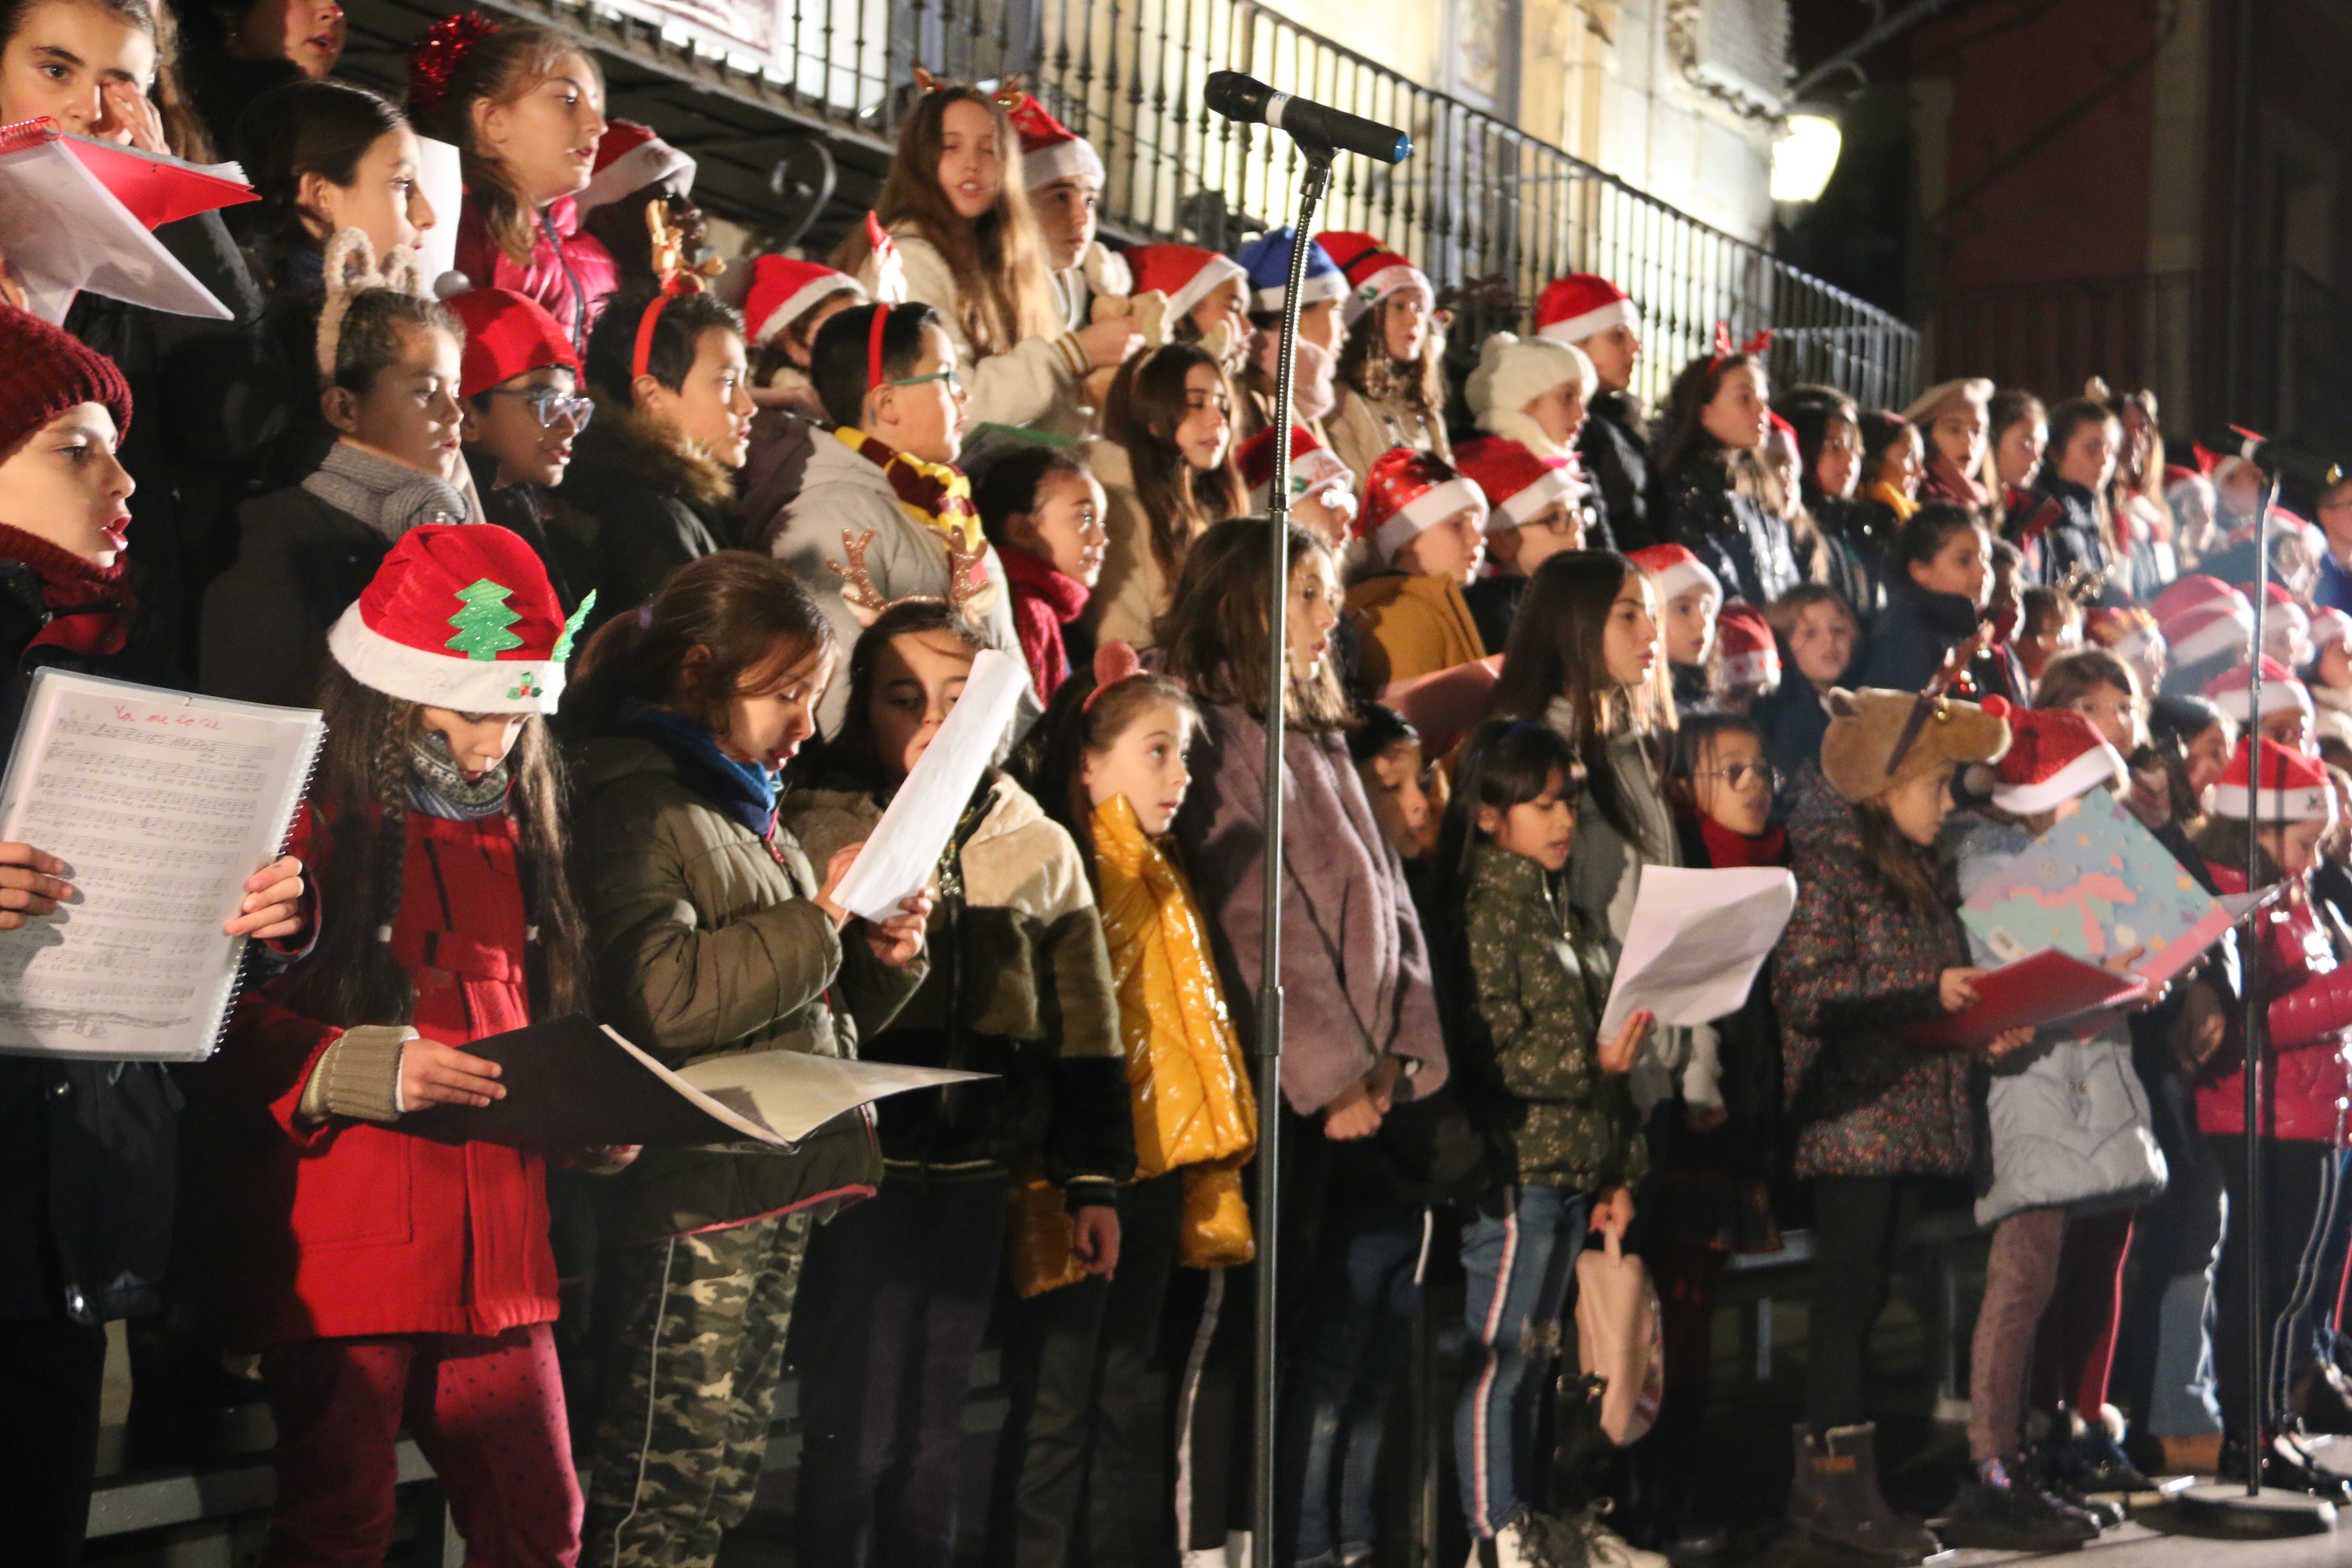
pixel 1513 371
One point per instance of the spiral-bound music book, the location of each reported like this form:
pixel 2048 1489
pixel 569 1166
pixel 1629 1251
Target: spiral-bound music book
pixel 160 805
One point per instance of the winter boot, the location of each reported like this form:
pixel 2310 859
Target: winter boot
pixel 1834 1494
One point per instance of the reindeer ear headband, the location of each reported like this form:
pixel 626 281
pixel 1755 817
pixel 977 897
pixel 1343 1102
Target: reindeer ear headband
pixel 353 270
pixel 866 600
pixel 1724 350
pixel 677 277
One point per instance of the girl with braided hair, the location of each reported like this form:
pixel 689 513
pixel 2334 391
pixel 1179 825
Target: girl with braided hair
pixel 388 1277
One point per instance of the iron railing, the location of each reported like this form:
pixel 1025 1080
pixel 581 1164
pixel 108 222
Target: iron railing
pixel 1482 205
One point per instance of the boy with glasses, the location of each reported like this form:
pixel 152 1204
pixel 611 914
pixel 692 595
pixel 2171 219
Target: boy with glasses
pixel 518 385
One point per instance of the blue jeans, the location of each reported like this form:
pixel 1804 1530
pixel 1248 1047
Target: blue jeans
pixel 1519 1249
pixel 1348 1350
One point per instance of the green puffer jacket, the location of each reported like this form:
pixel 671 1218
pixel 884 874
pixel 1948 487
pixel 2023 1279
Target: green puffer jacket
pixel 1017 942
pixel 1534 1059
pixel 705 942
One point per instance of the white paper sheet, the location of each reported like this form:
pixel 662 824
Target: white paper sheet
pixel 443 190
pixel 160 805
pixel 906 844
pixel 63 231
pixel 1696 940
pixel 779 1097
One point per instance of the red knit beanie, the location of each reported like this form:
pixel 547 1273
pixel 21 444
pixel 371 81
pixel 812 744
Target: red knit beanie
pixel 49 372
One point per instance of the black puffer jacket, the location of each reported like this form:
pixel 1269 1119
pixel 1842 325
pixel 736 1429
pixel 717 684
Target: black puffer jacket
pixel 2060 534
pixel 657 505
pixel 1746 547
pixel 1616 453
pixel 86 1148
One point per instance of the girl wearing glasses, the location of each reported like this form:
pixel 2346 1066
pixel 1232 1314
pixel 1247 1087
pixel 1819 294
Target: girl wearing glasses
pixel 519 387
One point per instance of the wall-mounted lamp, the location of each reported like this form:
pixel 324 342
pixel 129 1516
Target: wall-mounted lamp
pixel 1804 155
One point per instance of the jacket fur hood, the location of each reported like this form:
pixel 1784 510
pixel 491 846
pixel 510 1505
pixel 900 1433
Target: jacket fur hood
pixel 662 458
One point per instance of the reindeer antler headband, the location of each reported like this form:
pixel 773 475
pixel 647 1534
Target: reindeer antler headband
pixel 353 270
pixel 668 257
pixel 1724 350
pixel 858 590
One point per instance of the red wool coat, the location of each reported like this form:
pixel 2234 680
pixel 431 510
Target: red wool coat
pixel 569 268
pixel 2305 1082
pixel 354 1229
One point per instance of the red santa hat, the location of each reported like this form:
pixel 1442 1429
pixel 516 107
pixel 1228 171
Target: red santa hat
pixel 1185 273
pixel 1745 648
pixel 507 335
pixel 1576 307
pixel 784 290
pixel 1373 271
pixel 2281 690
pixel 2126 631
pixel 2329 625
pixel 1409 492
pixel 2210 626
pixel 2055 754
pixel 2193 591
pixel 1050 150
pixel 630 158
pixel 1518 483
pixel 1315 468
pixel 459 615
pixel 2293 787
pixel 2279 608
pixel 1675 570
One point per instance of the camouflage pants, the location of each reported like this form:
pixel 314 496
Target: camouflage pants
pixel 687 1381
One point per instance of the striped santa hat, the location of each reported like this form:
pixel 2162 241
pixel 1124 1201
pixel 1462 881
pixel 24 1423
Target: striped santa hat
pixel 2230 690
pixel 2292 787
pixel 1407 493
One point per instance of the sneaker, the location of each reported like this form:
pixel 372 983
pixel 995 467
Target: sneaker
pixel 2285 1465
pixel 2094 1461
pixel 2019 1517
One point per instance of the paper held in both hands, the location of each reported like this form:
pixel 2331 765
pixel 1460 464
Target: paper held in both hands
pixel 570 1083
pixel 904 847
pixel 1696 942
pixel 160 805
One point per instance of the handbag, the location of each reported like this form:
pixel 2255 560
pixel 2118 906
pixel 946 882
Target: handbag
pixel 1618 1340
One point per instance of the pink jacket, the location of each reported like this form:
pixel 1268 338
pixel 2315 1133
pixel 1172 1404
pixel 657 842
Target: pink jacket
pixel 2305 1082
pixel 571 273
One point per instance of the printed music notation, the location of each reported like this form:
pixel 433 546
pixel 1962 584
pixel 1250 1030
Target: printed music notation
pixel 159 805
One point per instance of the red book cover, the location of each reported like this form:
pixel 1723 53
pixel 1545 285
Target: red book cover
pixel 156 187
pixel 1445 704
pixel 2050 987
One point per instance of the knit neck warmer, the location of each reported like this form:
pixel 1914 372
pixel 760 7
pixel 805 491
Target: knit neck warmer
pixel 1192 1101
pixel 936 495
pixel 438 787
pixel 1064 594
pixel 1517 425
pixel 1727 850
pixel 1904 505
pixel 744 791
pixel 87 603
pixel 1948 483
pixel 387 496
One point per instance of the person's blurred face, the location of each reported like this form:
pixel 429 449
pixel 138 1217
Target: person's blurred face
pixel 545 137
pixel 508 428
pixel 1733 784
pixel 63 484
pixel 971 165
pixel 1542 830
pixel 1404 324
pixel 1065 528
pixel 1962 565
pixel 1920 804
pixel 1629 640
pixel 2089 459
pixel 2114 714
pixel 1145 762
pixel 2334 668
pixel 2017 453
pixel 1690 625
pixel 2334 518
pixel 712 406
pixel 1788 467
pixel 1820 644
pixel 1518 552
pixel 1320 324
pixel 1207 428
pixel 2206 757
pixel 476 742
pixel 1960 438
pixel 1453 547
pixel 2289 727
pixel 1838 470
pixel 309 32
pixel 1314 610
pixel 1226 306
pixel 1393 781
pixel 1560 411
pixel 774 709
pixel 1900 465
pixel 917 679
pixel 2294 845
pixel 1065 217
pixel 1740 412
pixel 923 414
pixel 1613 354
pixel 411 415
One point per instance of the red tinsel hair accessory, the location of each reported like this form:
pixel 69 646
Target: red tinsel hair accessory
pixel 435 56
pixel 1724 350
pixel 1114 662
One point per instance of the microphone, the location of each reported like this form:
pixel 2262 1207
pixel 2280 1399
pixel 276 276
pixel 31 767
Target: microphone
pixel 1250 101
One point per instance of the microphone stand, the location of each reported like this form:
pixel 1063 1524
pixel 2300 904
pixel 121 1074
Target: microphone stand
pixel 1314 182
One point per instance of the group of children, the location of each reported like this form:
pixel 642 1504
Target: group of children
pixel 751 537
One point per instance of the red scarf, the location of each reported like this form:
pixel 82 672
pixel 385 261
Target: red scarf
pixel 1043 602
pixel 88 604
pixel 1946 482
pixel 1727 850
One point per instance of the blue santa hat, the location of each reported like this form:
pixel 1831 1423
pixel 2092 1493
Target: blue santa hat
pixel 1266 259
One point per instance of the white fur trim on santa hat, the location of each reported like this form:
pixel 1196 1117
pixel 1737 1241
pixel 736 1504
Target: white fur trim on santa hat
pixel 633 170
pixel 809 295
pixel 2101 765
pixel 1312 472
pixel 2204 632
pixel 2297 802
pixel 1388 280
pixel 1317 287
pixel 1213 275
pixel 441 680
pixel 1060 160
pixel 1427 510
pixel 1750 669
pixel 1556 482
pixel 1576 328
pixel 2278 696
pixel 1684 574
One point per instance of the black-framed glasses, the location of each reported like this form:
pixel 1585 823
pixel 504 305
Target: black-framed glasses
pixel 551 405
pixel 1738 775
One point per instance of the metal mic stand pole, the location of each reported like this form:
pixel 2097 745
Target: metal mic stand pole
pixel 1265 1370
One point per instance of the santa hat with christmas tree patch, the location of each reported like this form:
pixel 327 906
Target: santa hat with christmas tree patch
pixel 1315 470
pixel 507 335
pixel 2292 787
pixel 1185 273
pixel 784 290
pixel 1267 260
pixel 459 615
pixel 1576 307
pixel 1745 646
pixel 629 158
pixel 2055 754
pixel 1373 271
pixel 1676 570
pixel 1518 483
pixel 1050 150
pixel 2231 691
pixel 1407 493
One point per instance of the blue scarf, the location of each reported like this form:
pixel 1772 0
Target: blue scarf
pixel 744 791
